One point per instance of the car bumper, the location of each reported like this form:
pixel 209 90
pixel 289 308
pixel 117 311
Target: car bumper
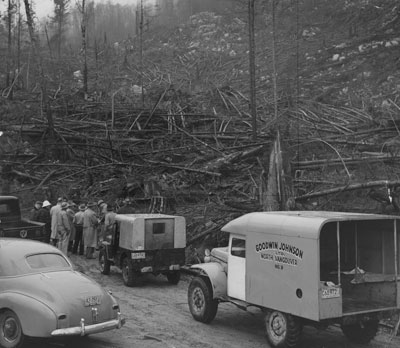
pixel 83 330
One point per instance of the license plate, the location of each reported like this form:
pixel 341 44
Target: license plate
pixel 330 293
pixel 136 256
pixel 92 300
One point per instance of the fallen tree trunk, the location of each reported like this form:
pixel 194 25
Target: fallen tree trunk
pixel 349 187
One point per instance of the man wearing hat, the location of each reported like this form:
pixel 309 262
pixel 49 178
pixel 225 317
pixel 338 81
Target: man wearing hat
pixel 90 224
pixel 71 210
pixel 102 211
pixel 109 221
pixel 35 210
pixel 44 216
pixel 78 223
pixel 63 228
pixel 54 211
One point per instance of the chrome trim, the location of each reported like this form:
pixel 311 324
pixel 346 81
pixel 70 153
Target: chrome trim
pixel 83 330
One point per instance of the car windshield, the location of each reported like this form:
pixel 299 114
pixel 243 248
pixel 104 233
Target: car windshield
pixel 34 263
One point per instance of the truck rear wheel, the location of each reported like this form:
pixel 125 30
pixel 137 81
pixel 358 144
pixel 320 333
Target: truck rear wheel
pixel 129 276
pixel 104 262
pixel 174 277
pixel 200 298
pixel 361 332
pixel 282 330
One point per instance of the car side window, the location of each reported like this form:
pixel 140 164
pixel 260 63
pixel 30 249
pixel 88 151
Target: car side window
pixel 238 247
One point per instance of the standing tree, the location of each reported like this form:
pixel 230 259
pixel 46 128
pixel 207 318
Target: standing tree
pixel 84 9
pixel 10 17
pixel 252 68
pixel 60 18
pixel 43 81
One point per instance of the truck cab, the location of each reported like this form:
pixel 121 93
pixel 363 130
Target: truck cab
pixel 14 226
pixel 304 268
pixel 145 243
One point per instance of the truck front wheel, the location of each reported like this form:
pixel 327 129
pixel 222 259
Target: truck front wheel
pixel 361 332
pixel 282 330
pixel 200 298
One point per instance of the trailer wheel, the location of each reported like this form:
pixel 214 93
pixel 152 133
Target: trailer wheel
pixel 174 277
pixel 11 335
pixel 361 332
pixel 200 299
pixel 104 262
pixel 282 330
pixel 128 274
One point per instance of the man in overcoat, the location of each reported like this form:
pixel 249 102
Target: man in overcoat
pixel 63 229
pixel 90 226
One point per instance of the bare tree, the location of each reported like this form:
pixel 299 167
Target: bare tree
pixel 84 9
pixel 252 68
pixel 10 17
pixel 60 18
pixel 37 53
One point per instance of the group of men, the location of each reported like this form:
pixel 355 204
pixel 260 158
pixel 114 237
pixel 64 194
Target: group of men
pixel 73 228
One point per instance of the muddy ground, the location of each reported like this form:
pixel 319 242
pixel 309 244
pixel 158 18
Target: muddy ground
pixel 158 316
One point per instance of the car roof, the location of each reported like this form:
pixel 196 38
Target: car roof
pixel 13 253
pixel 24 246
pixel 305 224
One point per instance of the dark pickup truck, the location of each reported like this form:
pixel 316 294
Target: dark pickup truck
pixel 13 225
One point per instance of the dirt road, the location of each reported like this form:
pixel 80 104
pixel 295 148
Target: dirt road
pixel 158 317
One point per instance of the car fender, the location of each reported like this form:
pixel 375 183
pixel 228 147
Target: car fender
pixel 37 319
pixel 215 272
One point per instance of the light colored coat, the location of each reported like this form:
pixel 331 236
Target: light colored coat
pixel 54 211
pixel 63 231
pixel 90 223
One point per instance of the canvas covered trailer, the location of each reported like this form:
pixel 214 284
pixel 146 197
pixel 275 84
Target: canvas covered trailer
pixel 145 243
pixel 320 265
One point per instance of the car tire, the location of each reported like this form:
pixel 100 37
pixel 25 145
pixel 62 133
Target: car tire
pixel 174 277
pixel 129 276
pixel 282 330
pixel 104 262
pixel 11 335
pixel 361 332
pixel 202 305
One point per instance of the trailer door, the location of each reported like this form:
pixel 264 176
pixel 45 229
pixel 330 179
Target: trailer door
pixel 237 267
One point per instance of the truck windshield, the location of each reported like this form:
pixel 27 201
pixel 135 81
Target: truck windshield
pixel 9 208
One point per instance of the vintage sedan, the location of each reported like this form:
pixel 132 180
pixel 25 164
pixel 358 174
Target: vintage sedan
pixel 41 295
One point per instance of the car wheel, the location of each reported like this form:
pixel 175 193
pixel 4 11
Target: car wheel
pixel 174 277
pixel 361 332
pixel 104 263
pixel 282 330
pixel 11 335
pixel 202 305
pixel 129 276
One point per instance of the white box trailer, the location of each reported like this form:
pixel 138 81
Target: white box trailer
pixel 305 267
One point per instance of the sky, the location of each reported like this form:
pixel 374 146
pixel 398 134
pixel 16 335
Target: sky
pixel 44 8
